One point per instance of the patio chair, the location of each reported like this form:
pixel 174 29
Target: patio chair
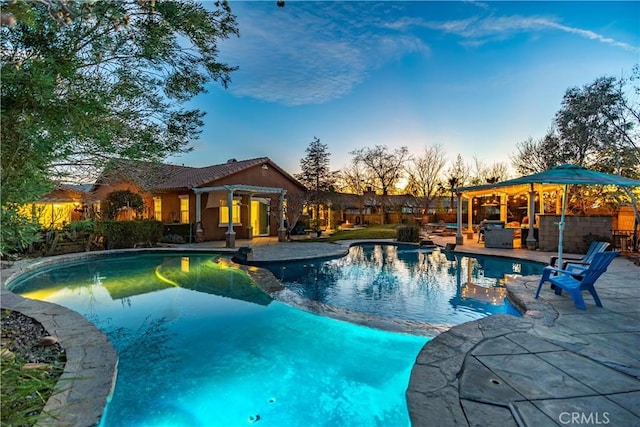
pixel 594 248
pixel 577 279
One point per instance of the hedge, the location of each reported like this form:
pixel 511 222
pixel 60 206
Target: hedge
pixel 408 233
pixel 127 234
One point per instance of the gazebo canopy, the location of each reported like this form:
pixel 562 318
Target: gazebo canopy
pixel 503 187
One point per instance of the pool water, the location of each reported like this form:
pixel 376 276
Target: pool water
pixel 407 283
pixel 200 345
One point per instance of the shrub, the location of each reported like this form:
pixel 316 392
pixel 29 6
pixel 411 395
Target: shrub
pixel 126 234
pixel 408 233
pixel 119 199
pixel 84 226
pixel 183 230
pixel 172 238
pixel 19 233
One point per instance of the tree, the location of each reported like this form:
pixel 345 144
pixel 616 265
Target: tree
pixel 316 175
pixel 424 173
pixel 535 156
pixel 597 126
pixel 483 174
pixel 122 199
pixel 84 82
pixel 384 166
pixel 457 176
pixel 353 179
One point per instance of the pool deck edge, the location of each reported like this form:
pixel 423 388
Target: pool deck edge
pixel 91 368
pixel 554 366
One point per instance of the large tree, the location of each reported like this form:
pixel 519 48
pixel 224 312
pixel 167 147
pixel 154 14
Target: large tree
pixel 457 176
pixel 315 172
pixel 535 156
pixel 384 166
pixel 84 82
pixel 425 173
pixel 597 126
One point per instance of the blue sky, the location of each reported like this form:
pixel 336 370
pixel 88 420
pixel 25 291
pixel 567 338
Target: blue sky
pixel 474 77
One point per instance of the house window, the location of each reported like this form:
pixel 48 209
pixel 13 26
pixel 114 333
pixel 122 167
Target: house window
pixel 184 209
pixel 157 208
pixel 224 212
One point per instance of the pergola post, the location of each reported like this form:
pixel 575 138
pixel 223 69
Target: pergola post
pixel 470 217
pixel 199 229
pixel 282 230
pixel 250 227
pixel 531 211
pixel 459 238
pixel 504 199
pixel 230 235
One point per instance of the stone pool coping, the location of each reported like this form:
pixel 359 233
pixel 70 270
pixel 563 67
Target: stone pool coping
pixel 540 369
pixel 90 372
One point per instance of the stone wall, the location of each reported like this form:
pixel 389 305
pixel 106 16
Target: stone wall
pixel 575 230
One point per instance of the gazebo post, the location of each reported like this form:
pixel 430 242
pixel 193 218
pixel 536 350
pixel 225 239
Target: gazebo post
pixel 282 230
pixel 230 235
pixel 470 217
pixel 459 237
pixel 531 239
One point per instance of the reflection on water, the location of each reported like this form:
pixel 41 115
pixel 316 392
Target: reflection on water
pixel 410 284
pixel 123 278
pixel 197 347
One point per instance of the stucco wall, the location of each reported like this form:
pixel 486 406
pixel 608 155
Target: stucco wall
pixel 257 176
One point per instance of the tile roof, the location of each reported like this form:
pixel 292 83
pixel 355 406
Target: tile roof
pixel 146 174
pixel 196 177
pixel 160 176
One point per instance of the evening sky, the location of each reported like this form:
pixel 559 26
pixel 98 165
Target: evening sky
pixel 474 77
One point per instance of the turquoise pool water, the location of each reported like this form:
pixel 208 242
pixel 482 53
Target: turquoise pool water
pixel 402 282
pixel 199 345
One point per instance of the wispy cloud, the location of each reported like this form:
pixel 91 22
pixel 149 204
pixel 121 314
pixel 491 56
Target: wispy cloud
pixel 477 30
pixel 312 54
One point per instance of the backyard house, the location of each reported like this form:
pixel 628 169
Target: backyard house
pixel 236 199
pixel 62 205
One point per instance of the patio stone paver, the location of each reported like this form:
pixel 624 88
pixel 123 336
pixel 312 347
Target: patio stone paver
pixel 590 373
pixel 534 378
pixel 559 361
pixel 589 410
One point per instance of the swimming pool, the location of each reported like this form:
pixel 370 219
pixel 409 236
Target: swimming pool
pixel 200 345
pixel 406 283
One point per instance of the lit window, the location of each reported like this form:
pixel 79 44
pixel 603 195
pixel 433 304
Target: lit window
pixel 184 209
pixel 157 208
pixel 224 212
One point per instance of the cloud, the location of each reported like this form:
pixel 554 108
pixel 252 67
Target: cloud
pixel 314 53
pixel 477 31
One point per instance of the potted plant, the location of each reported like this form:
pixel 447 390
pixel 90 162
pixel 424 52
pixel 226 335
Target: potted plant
pixel 315 226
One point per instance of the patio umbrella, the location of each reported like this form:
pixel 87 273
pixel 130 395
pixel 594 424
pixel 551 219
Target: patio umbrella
pixel 570 174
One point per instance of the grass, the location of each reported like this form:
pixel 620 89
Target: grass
pixel 24 392
pixel 387 231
